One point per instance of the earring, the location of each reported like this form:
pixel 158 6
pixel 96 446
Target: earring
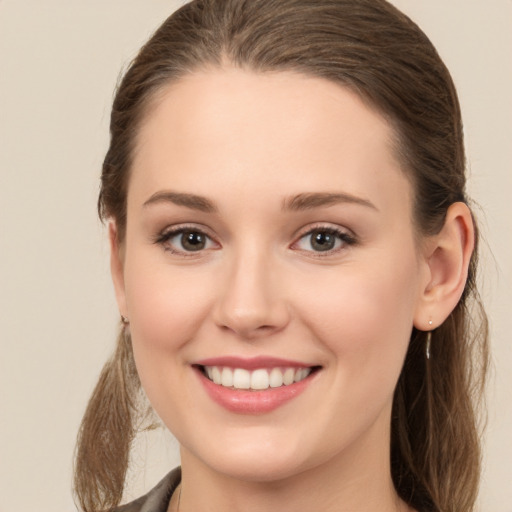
pixel 429 341
pixel 427 345
pixel 124 320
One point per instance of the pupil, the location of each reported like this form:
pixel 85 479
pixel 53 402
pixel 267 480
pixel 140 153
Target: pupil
pixel 193 241
pixel 323 241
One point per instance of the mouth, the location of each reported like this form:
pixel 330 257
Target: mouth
pixel 259 379
pixel 254 386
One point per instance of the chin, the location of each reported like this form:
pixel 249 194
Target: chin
pixel 258 461
pixel 259 470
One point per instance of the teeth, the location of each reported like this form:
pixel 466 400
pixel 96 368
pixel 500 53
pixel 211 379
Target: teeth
pixel 216 375
pixel 227 377
pixel 301 374
pixel 257 380
pixel 241 379
pixel 288 376
pixel 276 378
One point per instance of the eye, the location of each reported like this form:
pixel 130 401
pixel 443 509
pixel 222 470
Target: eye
pixel 186 240
pixel 324 240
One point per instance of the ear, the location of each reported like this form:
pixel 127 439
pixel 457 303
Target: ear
pixel 446 256
pixel 117 268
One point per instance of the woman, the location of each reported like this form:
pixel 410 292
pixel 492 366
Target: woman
pixel 294 262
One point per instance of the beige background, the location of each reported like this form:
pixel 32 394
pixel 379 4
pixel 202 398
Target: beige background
pixel 59 62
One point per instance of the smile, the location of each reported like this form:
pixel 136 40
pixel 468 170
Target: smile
pixel 256 380
pixel 254 386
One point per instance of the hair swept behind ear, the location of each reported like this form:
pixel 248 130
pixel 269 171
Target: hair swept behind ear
pixel 108 428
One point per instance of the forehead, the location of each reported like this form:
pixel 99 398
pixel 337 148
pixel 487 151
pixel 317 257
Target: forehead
pixel 268 132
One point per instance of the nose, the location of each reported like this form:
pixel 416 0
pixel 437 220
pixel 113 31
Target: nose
pixel 251 299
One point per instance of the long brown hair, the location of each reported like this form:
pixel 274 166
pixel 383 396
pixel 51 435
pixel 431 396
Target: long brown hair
pixel 373 49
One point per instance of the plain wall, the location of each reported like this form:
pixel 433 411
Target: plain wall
pixel 59 63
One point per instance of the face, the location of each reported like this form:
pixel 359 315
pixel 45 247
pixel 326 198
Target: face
pixel 269 272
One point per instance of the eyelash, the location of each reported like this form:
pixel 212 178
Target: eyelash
pixel 164 237
pixel 346 239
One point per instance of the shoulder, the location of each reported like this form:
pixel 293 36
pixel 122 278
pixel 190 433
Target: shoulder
pixel 156 500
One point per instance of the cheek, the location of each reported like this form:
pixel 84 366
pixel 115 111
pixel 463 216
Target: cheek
pixel 166 308
pixel 166 305
pixel 364 320
pixel 365 316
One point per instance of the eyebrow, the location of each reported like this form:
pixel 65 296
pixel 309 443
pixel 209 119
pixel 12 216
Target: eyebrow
pixel 308 201
pixel 300 202
pixel 192 201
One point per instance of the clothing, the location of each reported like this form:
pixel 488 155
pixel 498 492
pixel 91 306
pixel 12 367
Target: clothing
pixel 156 500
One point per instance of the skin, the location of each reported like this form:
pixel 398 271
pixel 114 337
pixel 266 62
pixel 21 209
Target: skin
pixel 248 143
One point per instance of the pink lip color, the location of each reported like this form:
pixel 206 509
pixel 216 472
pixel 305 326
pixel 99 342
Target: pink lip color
pixel 253 363
pixel 251 402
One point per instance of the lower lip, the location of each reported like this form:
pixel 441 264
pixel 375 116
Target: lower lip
pixel 253 402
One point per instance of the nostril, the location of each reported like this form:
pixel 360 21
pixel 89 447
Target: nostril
pixel 249 306
pixel 249 333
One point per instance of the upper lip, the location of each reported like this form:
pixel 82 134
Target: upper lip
pixel 252 363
